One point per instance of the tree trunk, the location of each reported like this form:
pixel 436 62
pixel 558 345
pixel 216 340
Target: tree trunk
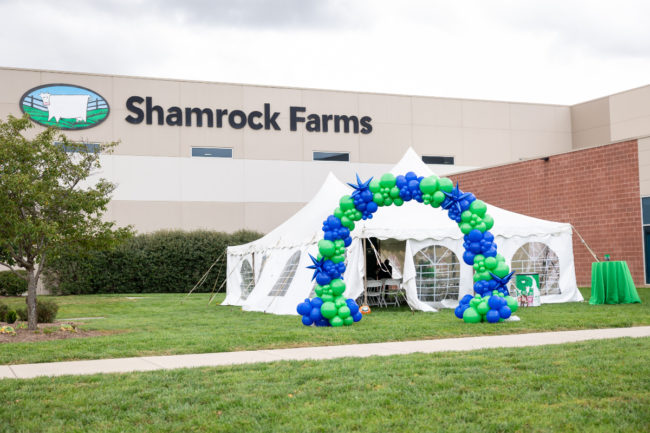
pixel 32 281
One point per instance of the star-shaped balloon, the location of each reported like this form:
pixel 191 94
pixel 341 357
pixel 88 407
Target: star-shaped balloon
pixel 317 266
pixel 360 186
pixel 502 282
pixel 454 198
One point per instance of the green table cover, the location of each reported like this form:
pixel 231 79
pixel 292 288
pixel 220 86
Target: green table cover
pixel 611 283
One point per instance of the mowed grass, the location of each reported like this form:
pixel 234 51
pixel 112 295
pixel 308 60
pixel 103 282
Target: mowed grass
pixel 595 386
pixel 162 324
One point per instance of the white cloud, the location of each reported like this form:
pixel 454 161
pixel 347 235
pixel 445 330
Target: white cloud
pixel 536 51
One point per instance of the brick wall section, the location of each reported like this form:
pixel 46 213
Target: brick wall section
pixel 596 190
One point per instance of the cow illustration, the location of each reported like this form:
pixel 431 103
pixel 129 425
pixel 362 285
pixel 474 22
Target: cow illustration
pixel 66 106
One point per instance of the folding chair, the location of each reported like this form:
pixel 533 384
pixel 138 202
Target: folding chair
pixel 391 292
pixel 374 292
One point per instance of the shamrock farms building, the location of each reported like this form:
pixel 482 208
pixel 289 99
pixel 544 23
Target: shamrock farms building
pixel 230 156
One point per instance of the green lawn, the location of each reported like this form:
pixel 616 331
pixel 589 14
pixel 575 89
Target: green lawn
pixel 595 386
pixel 161 324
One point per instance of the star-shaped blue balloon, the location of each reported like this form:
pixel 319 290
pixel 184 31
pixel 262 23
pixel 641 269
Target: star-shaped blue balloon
pixel 360 186
pixel 317 266
pixel 454 198
pixel 502 282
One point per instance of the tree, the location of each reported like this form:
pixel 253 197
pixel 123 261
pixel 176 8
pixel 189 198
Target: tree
pixel 47 200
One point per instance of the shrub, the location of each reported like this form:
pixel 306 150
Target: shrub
pixel 11 317
pixel 3 311
pixel 164 261
pixel 45 311
pixel 11 284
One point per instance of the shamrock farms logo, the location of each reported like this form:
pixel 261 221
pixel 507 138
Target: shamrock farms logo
pixel 65 106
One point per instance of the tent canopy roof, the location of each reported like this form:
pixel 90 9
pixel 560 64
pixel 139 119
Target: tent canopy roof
pixel 410 221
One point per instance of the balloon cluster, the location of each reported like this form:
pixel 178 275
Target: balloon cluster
pixel 409 186
pixel 320 313
pixel 491 271
pixel 490 308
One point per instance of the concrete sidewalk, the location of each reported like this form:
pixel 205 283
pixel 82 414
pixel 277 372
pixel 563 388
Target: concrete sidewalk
pixel 149 363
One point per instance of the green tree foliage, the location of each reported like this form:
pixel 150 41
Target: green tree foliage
pixel 47 201
pixel 160 262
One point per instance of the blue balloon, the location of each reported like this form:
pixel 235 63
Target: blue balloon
pixel 344 232
pixel 372 207
pixel 316 302
pixel 468 257
pixel 347 241
pixel 492 316
pixel 303 309
pixel 487 236
pixel 460 310
pixel 323 322
pixel 306 320
pixel 475 247
pixel 354 308
pixel 333 222
pixel 505 312
pixel 494 302
pixel 475 236
pixel 366 196
pixel 322 279
pixel 400 181
pixel 466 299
pixel 330 236
pixel 357 316
pixel 315 314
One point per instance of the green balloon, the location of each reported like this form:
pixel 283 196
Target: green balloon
pixel 398 201
pixel 489 221
pixel 338 286
pixel 475 301
pixel 326 297
pixel 339 243
pixel 445 184
pixel 429 185
pixel 348 321
pixel 387 180
pixel 345 221
pixel 478 207
pixel 438 197
pixel 394 192
pixel 471 316
pixel 344 312
pixel 339 301
pixel 338 258
pixel 374 186
pixel 336 321
pixel 378 198
pixel 481 227
pixel 466 216
pixel 338 212
pixel 501 270
pixel 326 248
pixel 490 263
pixel 483 308
pixel 318 290
pixel 346 203
pixel 388 201
pixel 328 309
pixel 512 303
pixel 465 228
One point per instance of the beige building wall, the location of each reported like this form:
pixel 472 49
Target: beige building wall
pixel 591 123
pixel 644 166
pixel 630 114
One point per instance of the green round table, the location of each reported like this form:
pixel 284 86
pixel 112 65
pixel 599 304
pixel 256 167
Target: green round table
pixel 611 283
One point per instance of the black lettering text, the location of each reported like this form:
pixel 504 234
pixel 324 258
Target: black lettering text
pixel 150 109
pixel 130 105
pixel 294 118
pixel 174 116
pixel 237 124
pixel 346 123
pixel 251 117
pixel 367 127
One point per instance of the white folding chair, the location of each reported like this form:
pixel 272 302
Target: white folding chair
pixel 392 292
pixel 374 291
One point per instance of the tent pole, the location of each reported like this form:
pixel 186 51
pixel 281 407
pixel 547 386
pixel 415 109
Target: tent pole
pixel 365 273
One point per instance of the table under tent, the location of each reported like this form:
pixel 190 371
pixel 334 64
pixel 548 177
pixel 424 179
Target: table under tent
pixel 271 274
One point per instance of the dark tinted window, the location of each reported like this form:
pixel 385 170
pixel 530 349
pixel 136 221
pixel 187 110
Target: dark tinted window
pixel 79 147
pixel 331 156
pixel 645 203
pixel 212 152
pixel 449 160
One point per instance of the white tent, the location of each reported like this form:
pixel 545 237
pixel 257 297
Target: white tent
pixel 270 274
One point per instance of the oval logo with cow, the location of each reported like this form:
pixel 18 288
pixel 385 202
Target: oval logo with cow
pixel 65 106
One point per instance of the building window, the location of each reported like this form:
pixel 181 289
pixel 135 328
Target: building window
pixel 645 210
pixel 77 146
pixel 537 258
pixel 286 277
pixel 247 279
pixel 447 160
pixel 212 152
pixel 331 156
pixel 437 274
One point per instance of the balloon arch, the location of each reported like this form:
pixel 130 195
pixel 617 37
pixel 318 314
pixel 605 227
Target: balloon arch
pixel 491 302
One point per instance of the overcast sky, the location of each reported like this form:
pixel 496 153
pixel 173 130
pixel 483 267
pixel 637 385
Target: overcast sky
pixel 548 51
